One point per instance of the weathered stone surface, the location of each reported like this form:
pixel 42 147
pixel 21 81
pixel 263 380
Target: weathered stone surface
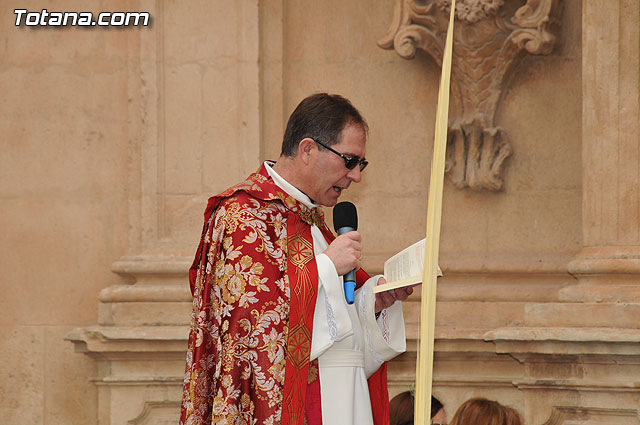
pixel 114 139
pixel 23 349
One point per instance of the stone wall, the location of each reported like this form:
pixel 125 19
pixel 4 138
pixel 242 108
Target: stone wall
pixel 64 164
pixel 114 139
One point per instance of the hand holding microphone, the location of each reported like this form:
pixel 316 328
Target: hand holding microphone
pixel 346 250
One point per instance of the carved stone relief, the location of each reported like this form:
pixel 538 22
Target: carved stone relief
pixel 490 36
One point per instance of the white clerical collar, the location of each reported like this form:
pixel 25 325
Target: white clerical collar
pixel 291 190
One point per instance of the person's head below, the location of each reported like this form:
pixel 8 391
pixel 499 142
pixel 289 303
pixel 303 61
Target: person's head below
pixel 323 150
pixel 401 410
pixel 480 411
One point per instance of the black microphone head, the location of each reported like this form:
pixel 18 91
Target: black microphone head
pixel 345 215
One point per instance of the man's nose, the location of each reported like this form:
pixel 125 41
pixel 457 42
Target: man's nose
pixel 355 174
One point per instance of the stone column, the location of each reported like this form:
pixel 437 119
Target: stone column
pixel 608 267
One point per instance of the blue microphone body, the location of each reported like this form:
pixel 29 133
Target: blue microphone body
pixel 345 219
pixel 349 278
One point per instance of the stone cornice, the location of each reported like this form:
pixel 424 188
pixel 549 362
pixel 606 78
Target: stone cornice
pixel 497 264
pixel 129 340
pixel 145 269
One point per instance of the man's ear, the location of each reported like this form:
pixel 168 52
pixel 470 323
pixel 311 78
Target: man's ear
pixel 307 149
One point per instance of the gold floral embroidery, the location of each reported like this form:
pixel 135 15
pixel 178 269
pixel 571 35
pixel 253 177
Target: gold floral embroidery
pixel 313 371
pixel 312 216
pixel 299 345
pixel 240 324
pixel 300 250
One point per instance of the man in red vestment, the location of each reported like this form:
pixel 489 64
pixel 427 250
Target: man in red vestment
pixel 272 339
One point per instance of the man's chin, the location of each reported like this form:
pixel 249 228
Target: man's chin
pixel 328 204
pixel 329 201
pixel 330 198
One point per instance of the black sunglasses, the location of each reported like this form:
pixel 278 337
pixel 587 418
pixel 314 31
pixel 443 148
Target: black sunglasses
pixel 349 161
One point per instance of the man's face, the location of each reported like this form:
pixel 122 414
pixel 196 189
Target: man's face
pixel 331 176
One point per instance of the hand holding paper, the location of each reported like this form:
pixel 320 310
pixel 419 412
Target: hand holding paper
pixel 405 268
pixel 386 299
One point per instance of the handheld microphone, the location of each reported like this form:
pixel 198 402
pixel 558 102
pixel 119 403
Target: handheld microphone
pixel 345 219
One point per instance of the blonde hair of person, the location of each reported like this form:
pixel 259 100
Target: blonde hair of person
pixel 480 411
